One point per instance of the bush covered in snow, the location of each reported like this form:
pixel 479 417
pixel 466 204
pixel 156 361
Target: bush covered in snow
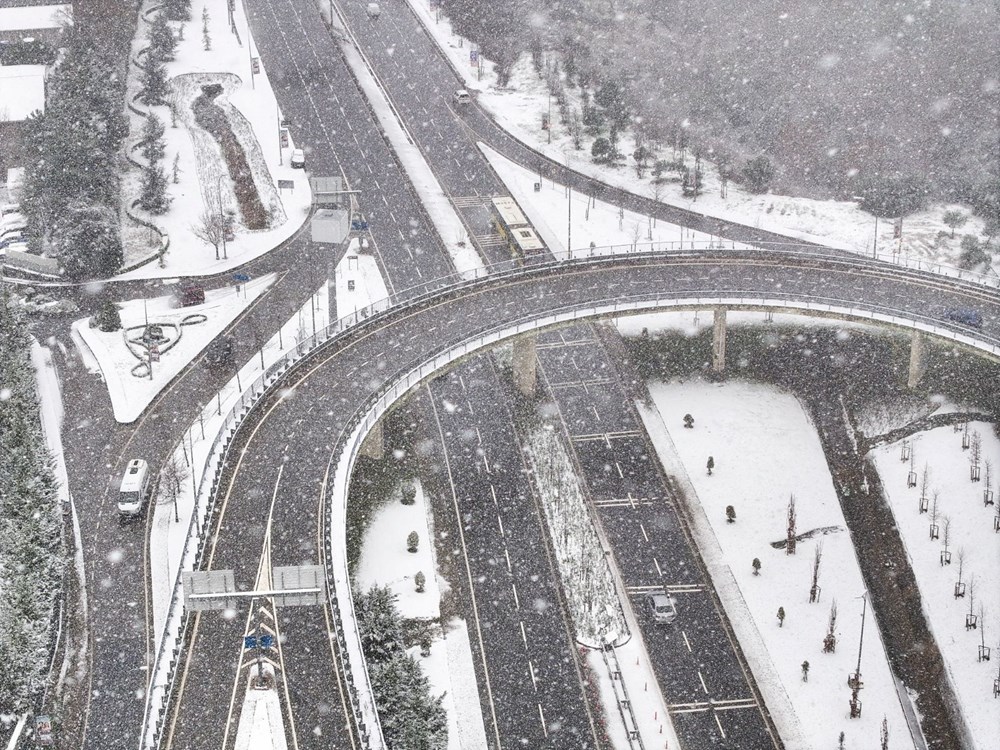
pixel 31 554
pixel 410 716
pixel 586 578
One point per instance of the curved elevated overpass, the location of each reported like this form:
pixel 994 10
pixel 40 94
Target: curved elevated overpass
pixel 327 402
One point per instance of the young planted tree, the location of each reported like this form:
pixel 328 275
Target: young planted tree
pixel 206 37
pixel 934 529
pixel 975 455
pixel 805 671
pixel 176 169
pixel 815 588
pixel 781 617
pixel 730 512
pixel 412 540
pixel 925 480
pixel 790 540
pixel 173 473
pixel 830 639
pixel 688 421
pixel 945 553
pixel 756 566
pixel 884 734
pixel 710 465
pixel 420 580
pixel 959 584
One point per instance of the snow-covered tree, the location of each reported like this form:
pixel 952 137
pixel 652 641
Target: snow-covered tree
pixel 153 146
pixel 379 623
pixel 177 10
pixel 154 81
pixel 162 43
pixel 86 241
pixel 31 551
pixel 153 196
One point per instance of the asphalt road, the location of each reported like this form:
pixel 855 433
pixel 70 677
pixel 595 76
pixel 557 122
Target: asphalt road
pixel 534 683
pixel 712 701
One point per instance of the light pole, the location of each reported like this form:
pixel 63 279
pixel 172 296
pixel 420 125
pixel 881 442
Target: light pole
pixel 221 216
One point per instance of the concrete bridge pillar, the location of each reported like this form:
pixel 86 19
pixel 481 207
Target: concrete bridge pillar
pixel 374 444
pixel 525 363
pixel 719 340
pixel 918 359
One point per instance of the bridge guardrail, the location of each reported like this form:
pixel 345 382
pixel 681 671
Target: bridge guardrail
pixel 164 670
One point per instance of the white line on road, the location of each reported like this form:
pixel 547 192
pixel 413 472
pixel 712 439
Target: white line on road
pixel 517 602
pixel 657 564
pixel 506 554
pixel 500 521
pixel 643 530
pixel 619 467
pixel 719 725
pixel 702 681
pixel 541 715
pixel 524 635
pixel 686 641
pixel 531 671
pixel 493 491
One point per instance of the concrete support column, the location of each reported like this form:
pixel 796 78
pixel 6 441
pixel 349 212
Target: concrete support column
pixel 719 340
pixel 374 445
pixel 918 359
pixel 525 363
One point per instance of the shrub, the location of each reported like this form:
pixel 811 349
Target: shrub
pixel 758 174
pixel 412 541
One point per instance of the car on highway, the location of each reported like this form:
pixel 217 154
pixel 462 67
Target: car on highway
pixel 462 97
pixel 298 160
pixel 186 295
pixel 662 607
pixel 374 11
pixel 966 316
pixel 134 490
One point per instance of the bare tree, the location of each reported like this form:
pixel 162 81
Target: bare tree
pixel 814 589
pixel 211 228
pixel 790 538
pixel 884 734
pixel 173 473
pixel 925 481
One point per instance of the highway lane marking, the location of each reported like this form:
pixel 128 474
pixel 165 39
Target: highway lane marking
pixel 643 530
pixel 687 643
pixel 659 571
pixel 479 436
pixel 468 569
pixel 502 533
pixel 619 467
pixel 719 725
pixel 493 491
pixel 506 554
pixel 524 635
pixel 541 715
pixel 534 678
pixel 702 681
pixel 517 601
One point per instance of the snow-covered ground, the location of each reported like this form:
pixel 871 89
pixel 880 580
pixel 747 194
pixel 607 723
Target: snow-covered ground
pixel 357 282
pixel 202 174
pixel 766 450
pixel 385 561
pixel 960 508
pixel 121 358
pixel 595 226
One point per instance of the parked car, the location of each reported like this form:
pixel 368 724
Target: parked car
pixel 462 97
pixel 965 316
pixel 662 607
pixel 298 160
pixel 374 10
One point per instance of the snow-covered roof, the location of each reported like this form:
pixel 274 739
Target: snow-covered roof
pixel 32 17
pixel 22 91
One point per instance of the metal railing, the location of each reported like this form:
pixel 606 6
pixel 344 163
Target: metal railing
pixel 400 382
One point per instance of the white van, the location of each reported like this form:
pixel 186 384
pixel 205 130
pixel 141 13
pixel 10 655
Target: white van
pixel 134 489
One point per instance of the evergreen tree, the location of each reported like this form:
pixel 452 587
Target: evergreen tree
pixel 108 318
pixel 154 82
pixel 153 197
pixel 153 146
pixel 379 623
pixel 758 174
pixel 177 10
pixel 162 43
pixel 87 242
pixel 31 554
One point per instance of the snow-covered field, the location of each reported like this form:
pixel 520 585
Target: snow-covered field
pixel 765 450
pixel 971 537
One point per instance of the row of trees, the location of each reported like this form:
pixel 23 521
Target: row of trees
pixel 71 187
pixel 31 552
pixel 410 716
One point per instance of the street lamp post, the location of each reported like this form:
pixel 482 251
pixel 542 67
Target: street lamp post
pixel 221 216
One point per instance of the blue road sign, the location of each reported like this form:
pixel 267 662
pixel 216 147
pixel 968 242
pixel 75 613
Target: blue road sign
pixel 250 641
pixel 241 277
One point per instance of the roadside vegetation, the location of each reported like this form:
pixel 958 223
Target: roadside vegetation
pixel 31 547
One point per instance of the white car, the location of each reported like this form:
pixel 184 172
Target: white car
pixel 298 160
pixel 373 10
pixel 462 97
pixel 662 606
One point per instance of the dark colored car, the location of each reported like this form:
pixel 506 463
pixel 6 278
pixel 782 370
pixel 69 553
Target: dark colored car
pixel 189 294
pixel 966 316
